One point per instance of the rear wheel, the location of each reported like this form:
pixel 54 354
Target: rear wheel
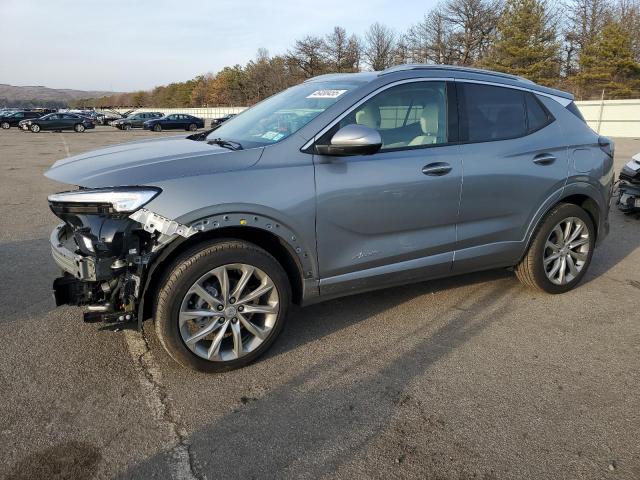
pixel 192 127
pixel 35 128
pixel 6 125
pixel 222 305
pixel 560 252
pixel 157 127
pixel 79 128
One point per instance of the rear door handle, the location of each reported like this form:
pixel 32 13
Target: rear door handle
pixel 544 159
pixel 436 169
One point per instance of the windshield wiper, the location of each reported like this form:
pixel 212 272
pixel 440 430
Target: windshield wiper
pixel 225 143
pixel 200 136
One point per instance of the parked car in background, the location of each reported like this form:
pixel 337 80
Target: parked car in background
pixel 135 120
pixel 342 184
pixel 216 122
pixel 59 122
pixel 105 117
pixel 13 119
pixel 175 121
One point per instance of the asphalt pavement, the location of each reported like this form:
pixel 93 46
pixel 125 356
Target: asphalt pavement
pixel 472 377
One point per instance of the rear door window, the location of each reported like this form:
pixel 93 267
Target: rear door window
pixel 490 113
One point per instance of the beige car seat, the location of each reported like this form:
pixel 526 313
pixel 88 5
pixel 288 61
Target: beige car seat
pixel 429 123
pixel 369 116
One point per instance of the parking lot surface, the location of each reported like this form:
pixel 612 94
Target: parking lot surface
pixel 473 377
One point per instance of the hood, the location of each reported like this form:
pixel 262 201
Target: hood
pixel 149 161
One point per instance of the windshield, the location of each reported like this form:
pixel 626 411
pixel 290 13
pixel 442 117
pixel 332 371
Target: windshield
pixel 279 116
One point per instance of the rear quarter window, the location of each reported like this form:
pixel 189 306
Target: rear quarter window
pixel 573 108
pixel 538 116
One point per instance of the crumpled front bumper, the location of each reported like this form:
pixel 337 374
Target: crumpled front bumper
pixel 79 266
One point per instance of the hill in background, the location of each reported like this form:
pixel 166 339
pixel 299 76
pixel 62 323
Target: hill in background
pixel 36 96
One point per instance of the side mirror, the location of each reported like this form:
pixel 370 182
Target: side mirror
pixel 352 140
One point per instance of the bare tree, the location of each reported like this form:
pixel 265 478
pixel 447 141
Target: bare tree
pixel 473 24
pixel 457 31
pixel 628 13
pixel 342 53
pixel 585 21
pixel 429 40
pixel 307 55
pixel 379 46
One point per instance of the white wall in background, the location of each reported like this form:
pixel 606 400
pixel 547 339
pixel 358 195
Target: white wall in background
pixel 613 118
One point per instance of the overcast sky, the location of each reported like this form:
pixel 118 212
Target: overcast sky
pixel 128 45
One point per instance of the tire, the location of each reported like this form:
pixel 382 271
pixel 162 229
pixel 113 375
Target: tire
pixel 127 127
pixel 177 294
pixel 79 128
pixel 35 128
pixel 536 269
pixel 157 127
pixel 5 125
pixel 192 127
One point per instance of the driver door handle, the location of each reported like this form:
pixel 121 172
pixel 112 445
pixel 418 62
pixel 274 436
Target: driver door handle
pixel 436 169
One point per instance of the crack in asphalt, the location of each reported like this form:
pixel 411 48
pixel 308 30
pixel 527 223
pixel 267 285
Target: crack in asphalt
pixel 184 462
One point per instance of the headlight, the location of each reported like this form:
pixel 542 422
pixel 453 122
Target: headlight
pixel 103 200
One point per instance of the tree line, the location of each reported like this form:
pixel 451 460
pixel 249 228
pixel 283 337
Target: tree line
pixel 586 47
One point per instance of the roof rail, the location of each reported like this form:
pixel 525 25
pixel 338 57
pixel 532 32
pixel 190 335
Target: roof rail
pixel 426 66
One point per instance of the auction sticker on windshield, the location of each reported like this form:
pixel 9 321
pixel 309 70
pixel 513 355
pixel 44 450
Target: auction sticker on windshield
pixel 326 94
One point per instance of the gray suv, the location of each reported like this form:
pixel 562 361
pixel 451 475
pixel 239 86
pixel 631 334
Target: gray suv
pixel 345 183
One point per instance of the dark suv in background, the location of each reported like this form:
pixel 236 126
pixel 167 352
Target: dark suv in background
pixel 342 184
pixel 135 120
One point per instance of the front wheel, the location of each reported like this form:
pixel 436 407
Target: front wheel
pixel 79 128
pixel 127 127
pixel 35 128
pixel 560 252
pixel 5 125
pixel 157 127
pixel 222 305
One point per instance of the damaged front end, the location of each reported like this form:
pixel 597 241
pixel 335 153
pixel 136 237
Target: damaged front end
pixel 629 186
pixel 104 246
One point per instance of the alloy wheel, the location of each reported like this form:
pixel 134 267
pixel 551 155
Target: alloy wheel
pixel 566 251
pixel 228 312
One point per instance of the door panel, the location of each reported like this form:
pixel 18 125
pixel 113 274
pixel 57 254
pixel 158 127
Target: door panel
pixel 381 209
pixel 390 217
pixel 51 123
pixel 506 182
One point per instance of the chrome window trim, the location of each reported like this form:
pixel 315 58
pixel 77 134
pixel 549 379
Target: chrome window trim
pixel 367 97
pixel 561 100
